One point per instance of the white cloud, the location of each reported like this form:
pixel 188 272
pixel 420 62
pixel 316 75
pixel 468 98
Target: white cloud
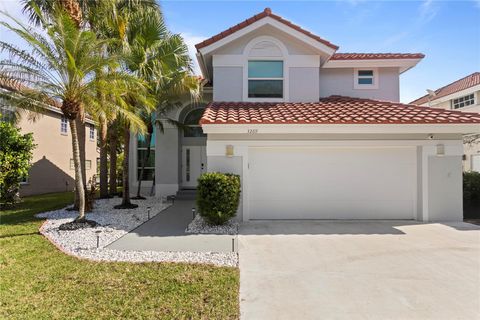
pixel 191 40
pixel 428 10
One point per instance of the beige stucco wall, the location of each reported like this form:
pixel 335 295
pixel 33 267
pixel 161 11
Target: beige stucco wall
pixel 50 171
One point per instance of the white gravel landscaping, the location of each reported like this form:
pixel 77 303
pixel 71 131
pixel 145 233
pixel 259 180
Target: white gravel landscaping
pixel 113 224
pixel 200 226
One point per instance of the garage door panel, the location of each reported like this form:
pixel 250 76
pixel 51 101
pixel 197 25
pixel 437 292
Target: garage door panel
pixel 332 183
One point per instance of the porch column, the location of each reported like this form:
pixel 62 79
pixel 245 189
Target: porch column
pixel 166 160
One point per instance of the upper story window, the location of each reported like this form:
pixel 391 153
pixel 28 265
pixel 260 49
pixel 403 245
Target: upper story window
pixel 463 101
pixel 64 126
pixel 366 79
pixel 92 133
pixel 265 79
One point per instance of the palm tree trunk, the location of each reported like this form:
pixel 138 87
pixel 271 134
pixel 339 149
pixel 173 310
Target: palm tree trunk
pixel 80 126
pixel 103 159
pixel 113 160
pixel 126 204
pixel 145 159
pixel 78 171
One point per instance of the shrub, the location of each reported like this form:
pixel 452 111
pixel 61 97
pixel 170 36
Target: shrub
pixel 218 195
pixel 471 186
pixel 15 156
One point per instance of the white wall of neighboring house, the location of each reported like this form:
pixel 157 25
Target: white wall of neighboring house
pixel 471 150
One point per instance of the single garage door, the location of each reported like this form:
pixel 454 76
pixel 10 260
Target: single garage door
pixel 332 183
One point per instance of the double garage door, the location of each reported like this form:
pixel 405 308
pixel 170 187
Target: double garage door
pixel 332 183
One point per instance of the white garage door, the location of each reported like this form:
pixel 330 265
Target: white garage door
pixel 332 183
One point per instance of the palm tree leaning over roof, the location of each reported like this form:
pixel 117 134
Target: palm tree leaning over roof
pixel 60 67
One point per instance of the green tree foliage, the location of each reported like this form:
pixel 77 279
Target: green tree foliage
pixel 471 186
pixel 15 156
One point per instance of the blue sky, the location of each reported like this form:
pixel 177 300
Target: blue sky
pixel 448 32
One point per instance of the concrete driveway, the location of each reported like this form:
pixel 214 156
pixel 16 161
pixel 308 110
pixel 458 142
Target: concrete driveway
pixel 359 270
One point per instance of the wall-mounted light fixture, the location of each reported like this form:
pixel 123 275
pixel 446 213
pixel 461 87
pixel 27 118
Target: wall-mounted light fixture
pixel 440 150
pixel 229 151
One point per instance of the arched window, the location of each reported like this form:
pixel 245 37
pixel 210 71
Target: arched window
pixel 265 70
pixel 192 126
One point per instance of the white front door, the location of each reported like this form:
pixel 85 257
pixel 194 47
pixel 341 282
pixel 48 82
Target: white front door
pixel 194 163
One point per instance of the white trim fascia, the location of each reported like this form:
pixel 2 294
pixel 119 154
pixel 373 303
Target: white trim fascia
pixel 295 61
pixel 274 23
pixel 255 129
pixel 455 95
pixel 403 64
pixel 203 67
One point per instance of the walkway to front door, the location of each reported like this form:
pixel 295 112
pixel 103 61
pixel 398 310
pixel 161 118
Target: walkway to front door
pixel 166 232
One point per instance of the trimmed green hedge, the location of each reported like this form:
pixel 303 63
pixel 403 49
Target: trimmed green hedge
pixel 218 195
pixel 471 186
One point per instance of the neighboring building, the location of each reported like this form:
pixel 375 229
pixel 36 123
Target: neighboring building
pixel 52 164
pixel 314 134
pixel 462 95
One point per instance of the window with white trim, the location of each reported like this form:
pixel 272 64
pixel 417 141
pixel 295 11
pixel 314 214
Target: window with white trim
pixel 92 133
pixel 149 158
pixel 63 125
pixel 88 164
pixel 366 78
pixel 463 101
pixel 265 79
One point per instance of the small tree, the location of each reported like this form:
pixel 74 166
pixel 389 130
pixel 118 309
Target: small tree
pixel 15 156
pixel 218 196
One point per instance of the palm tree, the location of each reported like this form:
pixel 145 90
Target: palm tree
pixel 60 67
pixel 162 59
pixel 106 19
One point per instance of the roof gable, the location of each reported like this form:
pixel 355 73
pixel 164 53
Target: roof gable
pixel 267 13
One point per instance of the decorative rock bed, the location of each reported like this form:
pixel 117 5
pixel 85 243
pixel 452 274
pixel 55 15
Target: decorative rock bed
pixel 199 225
pixel 113 224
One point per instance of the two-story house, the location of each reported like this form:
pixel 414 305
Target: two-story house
pixel 52 167
pixel 314 134
pixel 462 95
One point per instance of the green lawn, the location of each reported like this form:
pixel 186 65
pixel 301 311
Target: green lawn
pixel 39 282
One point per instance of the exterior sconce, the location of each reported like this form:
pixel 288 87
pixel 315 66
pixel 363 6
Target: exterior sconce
pixel 440 150
pixel 229 151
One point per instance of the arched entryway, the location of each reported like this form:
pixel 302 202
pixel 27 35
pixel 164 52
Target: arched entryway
pixel 192 146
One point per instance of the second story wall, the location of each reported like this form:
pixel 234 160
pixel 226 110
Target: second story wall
pixel 300 67
pixel 52 169
pixel 341 81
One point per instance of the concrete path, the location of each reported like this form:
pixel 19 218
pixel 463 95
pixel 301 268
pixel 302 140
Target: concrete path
pixel 359 270
pixel 166 232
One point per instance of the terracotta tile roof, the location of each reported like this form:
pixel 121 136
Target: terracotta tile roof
pixel 331 110
pixel 265 13
pixel 459 85
pixel 374 56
